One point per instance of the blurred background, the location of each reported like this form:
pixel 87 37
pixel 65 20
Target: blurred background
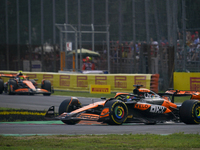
pixel 131 36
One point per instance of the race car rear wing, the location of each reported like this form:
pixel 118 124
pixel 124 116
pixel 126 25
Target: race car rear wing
pixel 8 75
pixel 174 93
pixel 11 75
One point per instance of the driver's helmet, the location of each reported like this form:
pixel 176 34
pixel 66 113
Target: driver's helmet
pixel 128 98
pixel 19 73
pixel 21 78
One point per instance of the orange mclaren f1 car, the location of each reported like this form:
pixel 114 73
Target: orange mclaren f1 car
pixel 143 106
pixel 20 84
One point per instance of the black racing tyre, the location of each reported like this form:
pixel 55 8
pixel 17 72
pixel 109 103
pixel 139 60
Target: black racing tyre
pixel 1 86
pixel 46 84
pixel 12 83
pixel 118 112
pixel 69 105
pixel 190 112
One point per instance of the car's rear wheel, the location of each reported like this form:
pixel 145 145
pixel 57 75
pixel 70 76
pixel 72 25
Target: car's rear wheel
pixel 1 86
pixel 118 112
pixel 46 84
pixel 12 86
pixel 190 112
pixel 69 105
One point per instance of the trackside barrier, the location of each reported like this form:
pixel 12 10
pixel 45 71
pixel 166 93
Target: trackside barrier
pixel 187 81
pixel 154 82
pixel 82 82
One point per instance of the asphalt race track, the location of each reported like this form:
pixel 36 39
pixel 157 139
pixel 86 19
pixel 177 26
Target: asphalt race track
pixel 40 102
pixel 36 102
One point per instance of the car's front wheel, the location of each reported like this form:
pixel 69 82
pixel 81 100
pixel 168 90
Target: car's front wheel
pixel 118 112
pixel 69 105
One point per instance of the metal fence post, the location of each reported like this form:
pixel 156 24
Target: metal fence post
pixel 42 36
pixel 29 30
pixel 7 36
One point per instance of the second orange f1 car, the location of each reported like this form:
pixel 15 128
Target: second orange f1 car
pixel 20 84
pixel 143 106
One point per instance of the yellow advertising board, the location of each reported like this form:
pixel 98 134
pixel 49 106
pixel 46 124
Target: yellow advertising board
pixel 82 82
pixel 187 81
pixel 100 89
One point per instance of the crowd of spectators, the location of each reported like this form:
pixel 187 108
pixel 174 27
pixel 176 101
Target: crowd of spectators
pixel 192 47
pixel 125 52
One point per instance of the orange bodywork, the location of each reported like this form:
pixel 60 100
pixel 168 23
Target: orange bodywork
pixel 88 116
pixel 143 90
pixel 167 111
pixel 90 106
pixel 169 104
pixel 29 84
pixel 104 113
pixel 12 75
pixel 22 90
pixel 7 75
pixel 194 94
pixel 195 97
pixel 178 92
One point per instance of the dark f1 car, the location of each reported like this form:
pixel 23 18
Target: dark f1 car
pixel 20 84
pixel 144 106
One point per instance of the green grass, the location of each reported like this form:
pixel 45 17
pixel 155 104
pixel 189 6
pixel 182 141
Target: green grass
pixel 87 94
pixel 107 142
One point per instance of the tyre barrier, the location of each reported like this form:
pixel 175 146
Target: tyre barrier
pixel 154 82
